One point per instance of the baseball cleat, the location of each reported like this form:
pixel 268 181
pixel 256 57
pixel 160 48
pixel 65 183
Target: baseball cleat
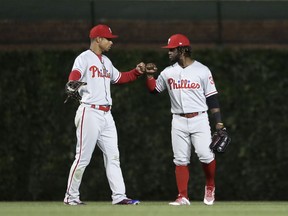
pixel 180 201
pixel 209 197
pixel 128 202
pixel 74 203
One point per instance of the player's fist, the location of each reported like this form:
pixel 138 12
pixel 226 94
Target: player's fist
pixel 151 68
pixel 141 67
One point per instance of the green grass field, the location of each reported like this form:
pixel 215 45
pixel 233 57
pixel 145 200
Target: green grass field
pixel 145 209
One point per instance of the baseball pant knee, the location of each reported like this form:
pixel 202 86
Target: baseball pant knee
pixel 206 158
pixel 181 161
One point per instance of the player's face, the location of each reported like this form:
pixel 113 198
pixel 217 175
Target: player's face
pixel 105 44
pixel 174 55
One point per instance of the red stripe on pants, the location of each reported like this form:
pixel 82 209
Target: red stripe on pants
pixel 81 145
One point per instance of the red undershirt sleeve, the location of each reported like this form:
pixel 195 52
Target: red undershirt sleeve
pixel 151 84
pixel 74 75
pixel 128 76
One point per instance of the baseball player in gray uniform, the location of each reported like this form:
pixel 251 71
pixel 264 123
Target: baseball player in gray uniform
pixel 192 92
pixel 93 120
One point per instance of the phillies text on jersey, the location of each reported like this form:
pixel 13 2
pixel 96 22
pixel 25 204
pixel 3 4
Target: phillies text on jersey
pixel 98 74
pixel 188 87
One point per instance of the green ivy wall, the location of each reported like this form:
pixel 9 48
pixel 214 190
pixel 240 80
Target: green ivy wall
pixel 38 135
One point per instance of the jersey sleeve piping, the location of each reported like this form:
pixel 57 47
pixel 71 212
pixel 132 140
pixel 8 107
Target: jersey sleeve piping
pixel 117 79
pixel 157 89
pixel 211 93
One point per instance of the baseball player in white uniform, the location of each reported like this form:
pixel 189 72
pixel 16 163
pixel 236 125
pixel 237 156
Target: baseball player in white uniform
pixel 93 120
pixel 192 92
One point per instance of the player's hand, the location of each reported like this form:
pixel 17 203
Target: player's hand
pixel 141 67
pixel 219 126
pixel 151 68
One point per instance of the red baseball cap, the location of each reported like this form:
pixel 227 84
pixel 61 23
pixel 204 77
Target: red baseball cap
pixel 177 40
pixel 101 31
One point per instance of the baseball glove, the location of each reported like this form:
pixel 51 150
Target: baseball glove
pixel 220 141
pixel 151 68
pixel 71 89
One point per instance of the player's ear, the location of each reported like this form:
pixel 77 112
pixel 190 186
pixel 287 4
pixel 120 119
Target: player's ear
pixel 98 39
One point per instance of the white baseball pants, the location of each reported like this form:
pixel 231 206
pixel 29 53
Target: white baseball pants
pixel 194 131
pixel 95 127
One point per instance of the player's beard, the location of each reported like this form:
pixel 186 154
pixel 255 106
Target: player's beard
pixel 174 59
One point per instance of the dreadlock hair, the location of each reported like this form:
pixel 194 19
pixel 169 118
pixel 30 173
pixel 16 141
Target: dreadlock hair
pixel 186 50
